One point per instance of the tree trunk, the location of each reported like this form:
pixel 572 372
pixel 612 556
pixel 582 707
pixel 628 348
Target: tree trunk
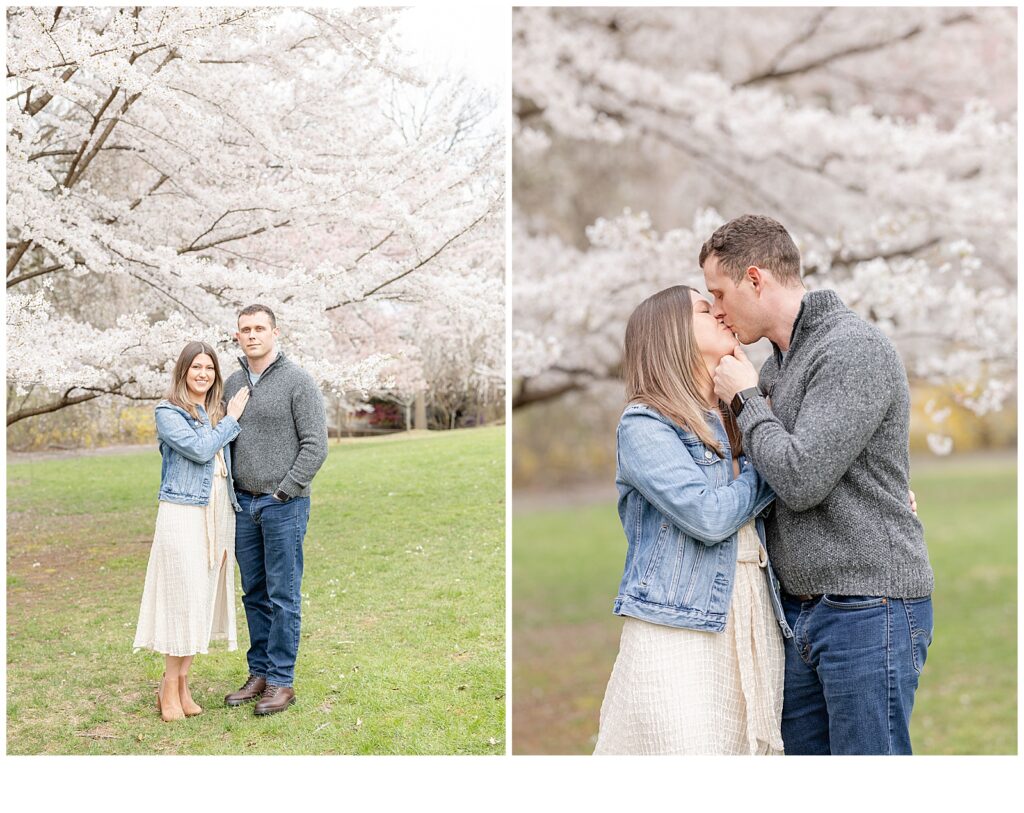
pixel 420 421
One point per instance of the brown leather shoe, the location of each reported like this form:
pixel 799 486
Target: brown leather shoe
pixel 275 699
pixel 252 689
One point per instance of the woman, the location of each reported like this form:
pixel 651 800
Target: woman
pixel 189 594
pixel 701 662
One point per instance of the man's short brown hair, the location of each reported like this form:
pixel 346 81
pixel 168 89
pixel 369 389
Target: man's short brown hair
pixel 249 310
pixel 754 240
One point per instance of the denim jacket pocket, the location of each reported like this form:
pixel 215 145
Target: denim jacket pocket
pixel 701 454
pixel 688 576
pixel 707 460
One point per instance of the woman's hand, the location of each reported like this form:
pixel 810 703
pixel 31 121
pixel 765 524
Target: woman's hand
pixel 237 404
pixel 913 503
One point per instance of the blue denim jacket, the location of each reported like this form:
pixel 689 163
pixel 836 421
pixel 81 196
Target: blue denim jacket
pixel 681 509
pixel 188 448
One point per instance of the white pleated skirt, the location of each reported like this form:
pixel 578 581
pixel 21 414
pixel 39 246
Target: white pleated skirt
pixel 683 691
pixel 189 596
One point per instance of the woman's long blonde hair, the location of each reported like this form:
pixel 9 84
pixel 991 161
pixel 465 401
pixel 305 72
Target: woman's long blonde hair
pixel 178 393
pixel 662 366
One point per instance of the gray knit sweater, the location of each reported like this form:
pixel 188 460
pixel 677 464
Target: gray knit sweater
pixel 834 445
pixel 283 441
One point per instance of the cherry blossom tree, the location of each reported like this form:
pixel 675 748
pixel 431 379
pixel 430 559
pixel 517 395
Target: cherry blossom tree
pixel 168 166
pixel 884 142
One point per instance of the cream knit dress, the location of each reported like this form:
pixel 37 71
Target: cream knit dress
pixel 189 597
pixel 683 691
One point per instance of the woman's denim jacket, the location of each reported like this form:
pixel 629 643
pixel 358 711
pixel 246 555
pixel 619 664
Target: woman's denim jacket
pixel 681 509
pixel 188 448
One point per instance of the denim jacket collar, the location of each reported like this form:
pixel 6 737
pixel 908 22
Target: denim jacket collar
pixel 714 421
pixel 203 415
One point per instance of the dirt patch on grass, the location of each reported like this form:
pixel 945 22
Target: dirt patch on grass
pixel 559 676
pixel 79 551
pixel 100 732
pixel 67 454
pixel 526 500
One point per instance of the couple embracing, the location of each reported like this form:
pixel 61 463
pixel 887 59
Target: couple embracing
pixel 777 584
pixel 238 457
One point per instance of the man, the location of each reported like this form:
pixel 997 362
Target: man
pixel 834 445
pixel 282 444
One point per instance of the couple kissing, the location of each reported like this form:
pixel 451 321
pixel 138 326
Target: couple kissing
pixel 777 587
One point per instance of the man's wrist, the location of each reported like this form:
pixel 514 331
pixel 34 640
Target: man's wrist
pixel 740 399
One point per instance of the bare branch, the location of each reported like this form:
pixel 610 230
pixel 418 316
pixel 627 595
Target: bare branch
pixel 78 167
pixel 853 50
pixel 214 243
pixel 841 259
pixel 65 401
pixel 808 32
pixel 92 129
pixel 374 247
pixel 526 395
pixel 160 182
pixel 50 153
pixel 31 275
pixel 15 257
pixel 46 98
pixel 415 267
pixel 191 246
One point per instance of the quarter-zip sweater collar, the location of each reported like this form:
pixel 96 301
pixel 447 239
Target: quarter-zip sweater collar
pixel 815 308
pixel 243 362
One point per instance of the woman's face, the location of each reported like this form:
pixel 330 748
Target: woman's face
pixel 714 339
pixel 201 375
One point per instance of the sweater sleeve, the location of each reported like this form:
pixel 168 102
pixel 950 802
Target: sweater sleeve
pixel 311 427
pixel 849 391
pixel 654 461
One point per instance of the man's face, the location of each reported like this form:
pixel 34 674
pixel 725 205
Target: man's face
pixel 738 306
pixel 256 335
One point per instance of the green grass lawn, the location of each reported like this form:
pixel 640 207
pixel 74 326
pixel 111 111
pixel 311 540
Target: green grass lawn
pixel 403 628
pixel 566 569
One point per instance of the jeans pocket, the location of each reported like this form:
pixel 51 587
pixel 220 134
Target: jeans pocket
pixel 921 624
pixel 840 602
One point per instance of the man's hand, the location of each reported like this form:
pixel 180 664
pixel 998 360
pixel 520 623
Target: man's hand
pixel 734 373
pixel 913 503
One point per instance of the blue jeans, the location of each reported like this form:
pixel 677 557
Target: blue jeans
pixel 851 672
pixel 268 547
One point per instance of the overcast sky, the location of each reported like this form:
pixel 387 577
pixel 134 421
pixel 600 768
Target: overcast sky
pixel 474 38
